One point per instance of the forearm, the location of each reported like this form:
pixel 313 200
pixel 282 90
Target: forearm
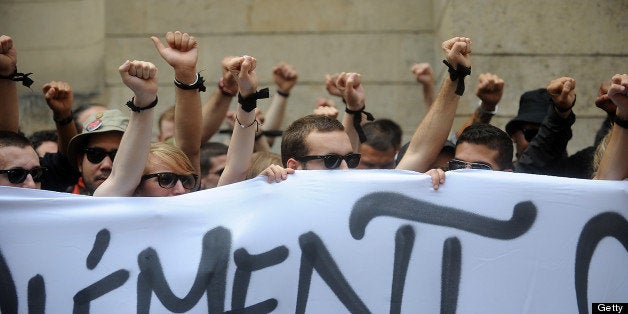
pixel 275 116
pixel 131 157
pixel 483 114
pixel 187 118
pixel 240 148
pixel 613 165
pixel 431 134
pixel 65 132
pixel 428 95
pixel 9 108
pixel 214 111
pixel 347 122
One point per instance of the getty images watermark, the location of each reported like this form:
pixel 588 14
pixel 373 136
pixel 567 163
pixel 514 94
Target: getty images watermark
pixel 609 308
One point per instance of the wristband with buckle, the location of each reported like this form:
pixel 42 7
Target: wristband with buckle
pixel 198 84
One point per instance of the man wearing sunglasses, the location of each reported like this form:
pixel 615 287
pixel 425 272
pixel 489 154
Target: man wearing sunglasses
pixel 19 163
pixel 483 146
pixel 94 150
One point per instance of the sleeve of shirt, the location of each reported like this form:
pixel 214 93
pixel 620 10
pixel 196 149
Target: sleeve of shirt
pixel 60 173
pixel 549 145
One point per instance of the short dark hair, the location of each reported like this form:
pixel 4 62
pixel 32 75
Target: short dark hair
pixel 293 140
pixel 208 150
pixel 382 134
pixel 10 139
pixel 491 137
pixel 37 138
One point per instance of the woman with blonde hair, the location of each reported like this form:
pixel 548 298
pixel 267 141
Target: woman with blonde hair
pixel 168 172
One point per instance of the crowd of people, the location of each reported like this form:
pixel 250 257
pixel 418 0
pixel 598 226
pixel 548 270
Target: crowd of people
pixel 102 152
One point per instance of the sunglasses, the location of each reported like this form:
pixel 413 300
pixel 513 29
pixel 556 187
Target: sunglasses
pixel 333 161
pixel 168 180
pixel 529 134
pixel 456 164
pixel 18 175
pixel 95 155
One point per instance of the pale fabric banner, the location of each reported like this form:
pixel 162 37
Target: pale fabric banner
pixel 322 242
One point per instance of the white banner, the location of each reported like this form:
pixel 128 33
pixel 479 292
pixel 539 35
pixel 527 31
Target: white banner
pixel 322 242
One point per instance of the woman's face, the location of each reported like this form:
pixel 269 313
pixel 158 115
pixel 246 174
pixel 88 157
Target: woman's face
pixel 170 184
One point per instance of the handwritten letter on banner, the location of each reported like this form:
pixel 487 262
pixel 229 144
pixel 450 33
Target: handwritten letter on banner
pixel 322 242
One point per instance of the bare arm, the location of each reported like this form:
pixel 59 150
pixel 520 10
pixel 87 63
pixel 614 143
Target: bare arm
pixel 613 165
pixel 424 75
pixel 182 55
pixel 243 138
pixel 216 107
pixel 429 137
pixel 59 98
pixel 127 169
pixel 9 108
pixel 490 90
pixel 285 78
pixel 350 84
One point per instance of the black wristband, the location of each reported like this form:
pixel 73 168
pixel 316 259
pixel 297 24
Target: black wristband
pixel 135 108
pixel 198 84
pixel 286 95
pixel 357 120
pixel 458 74
pixel 19 77
pixel 64 121
pixel 621 122
pixel 250 102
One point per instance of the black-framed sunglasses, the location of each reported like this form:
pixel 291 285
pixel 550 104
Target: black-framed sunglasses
pixel 333 161
pixel 456 164
pixel 529 134
pixel 96 154
pixel 168 180
pixel 18 175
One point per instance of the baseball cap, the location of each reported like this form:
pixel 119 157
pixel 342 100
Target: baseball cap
pixel 100 122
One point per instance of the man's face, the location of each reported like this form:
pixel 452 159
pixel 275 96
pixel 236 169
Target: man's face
pixel 94 174
pixel 477 153
pixel 210 180
pixel 320 144
pixel 523 136
pixel 376 159
pixel 13 157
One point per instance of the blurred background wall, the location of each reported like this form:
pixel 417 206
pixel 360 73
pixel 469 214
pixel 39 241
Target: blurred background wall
pixel 527 43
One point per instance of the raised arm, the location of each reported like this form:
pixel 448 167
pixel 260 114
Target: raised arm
pixel 182 55
pixel 59 98
pixel 613 165
pixel 243 137
pixel 285 78
pixel 431 134
pixel 9 109
pixel 490 90
pixel 350 84
pixel 128 166
pixel 425 76
pixel 216 107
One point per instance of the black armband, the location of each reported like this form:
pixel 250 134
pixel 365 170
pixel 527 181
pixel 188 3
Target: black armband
pixel 458 74
pixel 250 102
pixel 357 121
pixel 135 108
pixel 198 84
pixel 19 77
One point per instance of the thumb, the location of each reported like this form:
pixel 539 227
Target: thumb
pixel 50 93
pixel 157 44
pixel 567 87
pixel 245 68
pixel 124 68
